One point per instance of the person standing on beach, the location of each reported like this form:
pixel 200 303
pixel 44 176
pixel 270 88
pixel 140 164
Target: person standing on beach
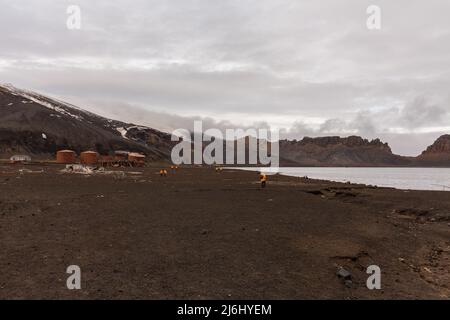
pixel 263 179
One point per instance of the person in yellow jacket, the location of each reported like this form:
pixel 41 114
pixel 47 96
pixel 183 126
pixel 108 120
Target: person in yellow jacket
pixel 263 179
pixel 163 173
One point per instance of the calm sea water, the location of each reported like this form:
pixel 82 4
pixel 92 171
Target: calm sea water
pixel 400 178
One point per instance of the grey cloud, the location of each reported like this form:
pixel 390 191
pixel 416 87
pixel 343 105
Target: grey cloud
pixel 420 112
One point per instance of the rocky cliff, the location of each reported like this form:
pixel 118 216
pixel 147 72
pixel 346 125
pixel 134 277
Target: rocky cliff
pixel 337 151
pixel 438 154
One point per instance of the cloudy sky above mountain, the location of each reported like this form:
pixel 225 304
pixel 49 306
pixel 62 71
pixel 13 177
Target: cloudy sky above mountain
pixel 305 67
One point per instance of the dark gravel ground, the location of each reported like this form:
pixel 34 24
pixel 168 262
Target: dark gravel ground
pixel 198 234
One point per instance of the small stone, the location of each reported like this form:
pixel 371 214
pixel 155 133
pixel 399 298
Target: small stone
pixel 344 274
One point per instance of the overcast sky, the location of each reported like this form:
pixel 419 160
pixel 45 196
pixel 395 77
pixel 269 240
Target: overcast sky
pixel 306 67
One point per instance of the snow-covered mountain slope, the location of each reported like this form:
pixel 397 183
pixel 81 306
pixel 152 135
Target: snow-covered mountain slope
pixel 40 125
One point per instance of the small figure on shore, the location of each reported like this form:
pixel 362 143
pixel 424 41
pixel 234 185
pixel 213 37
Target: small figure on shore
pixel 163 173
pixel 263 179
pixel 173 169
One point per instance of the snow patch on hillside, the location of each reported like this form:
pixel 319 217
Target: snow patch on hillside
pixel 123 132
pixel 33 97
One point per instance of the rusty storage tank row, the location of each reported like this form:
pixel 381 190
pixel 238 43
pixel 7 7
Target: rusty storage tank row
pixel 93 158
pixel 70 157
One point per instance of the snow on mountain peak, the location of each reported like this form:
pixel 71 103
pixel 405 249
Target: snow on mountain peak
pixel 53 104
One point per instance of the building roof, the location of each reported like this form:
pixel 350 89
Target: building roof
pixel 20 156
pixel 137 155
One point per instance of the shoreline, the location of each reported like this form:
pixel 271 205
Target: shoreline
pixel 363 178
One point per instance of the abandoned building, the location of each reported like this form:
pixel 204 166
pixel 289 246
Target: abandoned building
pixel 20 158
pixel 121 155
pixel 136 158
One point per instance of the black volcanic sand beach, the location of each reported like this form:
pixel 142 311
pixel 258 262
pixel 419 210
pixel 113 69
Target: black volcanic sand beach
pixel 198 234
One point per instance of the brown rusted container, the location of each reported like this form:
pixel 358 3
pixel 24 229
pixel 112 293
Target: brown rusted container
pixel 66 157
pixel 89 158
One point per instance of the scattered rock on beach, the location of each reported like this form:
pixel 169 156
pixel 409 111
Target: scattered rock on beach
pixel 344 274
pixel 315 192
pixel 348 283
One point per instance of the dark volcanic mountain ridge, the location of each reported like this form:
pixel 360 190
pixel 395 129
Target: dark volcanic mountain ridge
pixel 35 124
pixel 337 151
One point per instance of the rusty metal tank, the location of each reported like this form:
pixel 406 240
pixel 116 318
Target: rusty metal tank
pixel 66 157
pixel 89 158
